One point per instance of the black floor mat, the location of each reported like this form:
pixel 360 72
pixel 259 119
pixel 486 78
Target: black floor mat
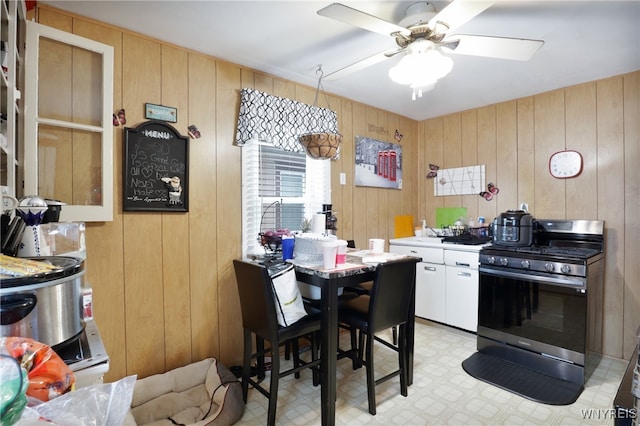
pixel 521 380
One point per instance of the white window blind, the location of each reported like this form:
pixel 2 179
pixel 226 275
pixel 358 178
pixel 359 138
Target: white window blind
pixel 279 189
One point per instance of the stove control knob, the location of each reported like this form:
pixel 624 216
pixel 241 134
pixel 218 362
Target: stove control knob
pixel 491 260
pixel 548 267
pixel 525 264
pixel 504 261
pixel 565 269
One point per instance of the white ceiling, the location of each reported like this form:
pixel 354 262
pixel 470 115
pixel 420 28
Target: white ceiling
pixel 584 41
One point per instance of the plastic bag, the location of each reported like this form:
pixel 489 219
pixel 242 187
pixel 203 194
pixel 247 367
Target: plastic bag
pixel 48 375
pixel 13 386
pixel 103 404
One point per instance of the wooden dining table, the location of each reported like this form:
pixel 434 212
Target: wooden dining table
pixel 358 268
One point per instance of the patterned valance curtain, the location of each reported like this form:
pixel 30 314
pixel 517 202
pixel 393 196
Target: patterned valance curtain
pixel 280 121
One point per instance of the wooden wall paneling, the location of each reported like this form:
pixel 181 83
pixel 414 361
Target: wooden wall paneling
pixel 105 262
pixel 421 169
pixel 526 153
pixel 53 18
pixel 506 156
pixel 142 266
pixel 203 187
pixel 487 155
pixel 434 154
pixel 347 165
pixel 337 167
pixel 410 196
pixel 549 138
pixel 452 153
pixel 631 298
pixel 360 208
pixel 469 152
pixel 580 116
pixel 283 88
pixel 385 219
pixel 228 212
pixel 611 206
pixel 262 82
pixel 372 213
pixel 394 196
pixel 175 226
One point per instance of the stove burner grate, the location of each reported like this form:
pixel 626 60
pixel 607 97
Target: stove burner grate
pixel 571 252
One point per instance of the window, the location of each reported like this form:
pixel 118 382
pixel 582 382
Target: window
pixel 279 189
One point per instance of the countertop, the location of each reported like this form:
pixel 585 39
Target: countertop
pixel 432 242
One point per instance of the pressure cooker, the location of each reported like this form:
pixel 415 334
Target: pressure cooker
pixel 513 228
pixel 44 306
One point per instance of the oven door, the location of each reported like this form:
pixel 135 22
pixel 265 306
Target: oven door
pixel 543 313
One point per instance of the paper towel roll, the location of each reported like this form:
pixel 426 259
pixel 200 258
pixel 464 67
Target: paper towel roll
pixel 318 223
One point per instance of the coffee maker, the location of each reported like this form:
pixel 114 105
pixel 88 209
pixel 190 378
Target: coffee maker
pixel 330 220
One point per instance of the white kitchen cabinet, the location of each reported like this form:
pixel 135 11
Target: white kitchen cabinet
pixel 462 297
pixel 68 144
pixel 430 291
pixel 446 280
pixel 430 280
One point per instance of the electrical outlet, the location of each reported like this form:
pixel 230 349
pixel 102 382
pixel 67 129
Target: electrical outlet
pixel 343 178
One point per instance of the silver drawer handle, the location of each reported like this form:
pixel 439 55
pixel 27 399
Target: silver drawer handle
pixel 430 268
pixel 462 264
pixel 413 251
pixel 464 274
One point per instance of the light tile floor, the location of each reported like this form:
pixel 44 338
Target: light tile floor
pixel 442 392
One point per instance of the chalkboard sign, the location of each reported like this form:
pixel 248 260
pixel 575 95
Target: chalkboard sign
pixel 156 168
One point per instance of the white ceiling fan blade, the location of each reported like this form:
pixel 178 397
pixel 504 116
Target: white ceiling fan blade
pixel 493 47
pixel 367 62
pixel 459 12
pixel 361 19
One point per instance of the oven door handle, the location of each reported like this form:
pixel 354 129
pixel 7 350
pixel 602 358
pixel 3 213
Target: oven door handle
pixel 575 283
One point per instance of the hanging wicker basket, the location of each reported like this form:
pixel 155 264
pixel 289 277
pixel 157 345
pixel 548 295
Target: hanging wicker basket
pixel 321 146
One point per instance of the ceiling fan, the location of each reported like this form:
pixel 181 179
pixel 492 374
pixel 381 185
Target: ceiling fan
pixel 424 30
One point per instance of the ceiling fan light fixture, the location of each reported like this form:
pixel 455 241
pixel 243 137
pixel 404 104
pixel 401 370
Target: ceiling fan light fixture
pixel 421 67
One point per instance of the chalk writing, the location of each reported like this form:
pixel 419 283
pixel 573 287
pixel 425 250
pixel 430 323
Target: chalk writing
pixel 156 167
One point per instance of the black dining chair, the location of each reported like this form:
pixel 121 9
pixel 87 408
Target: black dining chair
pixel 365 288
pixel 259 318
pixel 387 305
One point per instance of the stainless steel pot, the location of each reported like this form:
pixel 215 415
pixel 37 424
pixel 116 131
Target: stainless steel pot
pixel 46 307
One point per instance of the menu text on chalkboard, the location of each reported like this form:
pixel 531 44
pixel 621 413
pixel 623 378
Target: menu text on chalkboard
pixel 156 168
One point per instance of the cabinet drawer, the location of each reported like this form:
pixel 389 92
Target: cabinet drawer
pixel 428 254
pixel 464 259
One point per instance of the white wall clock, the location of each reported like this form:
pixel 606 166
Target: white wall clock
pixel 565 164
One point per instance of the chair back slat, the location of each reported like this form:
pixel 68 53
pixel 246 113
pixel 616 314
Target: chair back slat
pixel 391 294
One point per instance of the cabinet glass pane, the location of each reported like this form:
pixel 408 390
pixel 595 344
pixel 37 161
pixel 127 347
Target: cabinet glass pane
pixel 72 93
pixel 70 165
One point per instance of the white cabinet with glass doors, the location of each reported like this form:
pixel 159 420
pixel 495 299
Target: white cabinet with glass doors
pixel 12 36
pixel 68 127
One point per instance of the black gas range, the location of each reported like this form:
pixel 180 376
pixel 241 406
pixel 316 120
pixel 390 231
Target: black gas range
pixel 562 247
pixel 540 307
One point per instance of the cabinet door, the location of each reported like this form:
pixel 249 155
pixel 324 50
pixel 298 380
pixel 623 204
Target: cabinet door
pixel 462 298
pixel 430 291
pixel 68 126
